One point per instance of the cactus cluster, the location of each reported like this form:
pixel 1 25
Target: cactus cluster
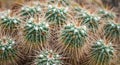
pixel 64 29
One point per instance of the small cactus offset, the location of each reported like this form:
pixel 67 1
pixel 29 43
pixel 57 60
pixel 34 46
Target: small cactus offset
pixel 90 20
pixel 101 53
pixel 56 15
pixel 106 14
pixel 36 32
pixel 74 36
pixel 9 23
pixel 8 54
pixel 73 40
pixel 112 31
pixel 48 57
pixel 30 10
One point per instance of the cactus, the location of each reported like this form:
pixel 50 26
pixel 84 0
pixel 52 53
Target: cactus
pixel 9 23
pixel 36 32
pixel 101 53
pixel 74 36
pixel 48 57
pixel 90 20
pixel 8 53
pixel 112 31
pixel 56 15
pixel 64 26
pixel 30 10
pixel 106 14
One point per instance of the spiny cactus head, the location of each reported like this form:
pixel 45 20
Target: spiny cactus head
pixel 36 32
pixel 7 51
pixel 56 15
pixel 106 14
pixel 48 57
pixel 9 22
pixel 74 36
pixel 88 19
pixel 101 53
pixel 30 10
pixel 112 30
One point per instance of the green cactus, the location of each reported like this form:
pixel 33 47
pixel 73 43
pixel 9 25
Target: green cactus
pixel 112 30
pixel 36 33
pixel 106 14
pixel 56 15
pixel 74 36
pixel 101 53
pixel 10 23
pixel 63 2
pixel 8 54
pixel 48 57
pixel 90 20
pixel 30 11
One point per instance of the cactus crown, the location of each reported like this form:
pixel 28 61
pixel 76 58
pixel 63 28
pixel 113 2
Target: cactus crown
pixel 106 14
pixel 74 36
pixel 56 15
pixel 9 22
pixel 48 57
pixel 101 53
pixel 112 30
pixel 6 48
pixel 90 20
pixel 30 10
pixel 36 32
